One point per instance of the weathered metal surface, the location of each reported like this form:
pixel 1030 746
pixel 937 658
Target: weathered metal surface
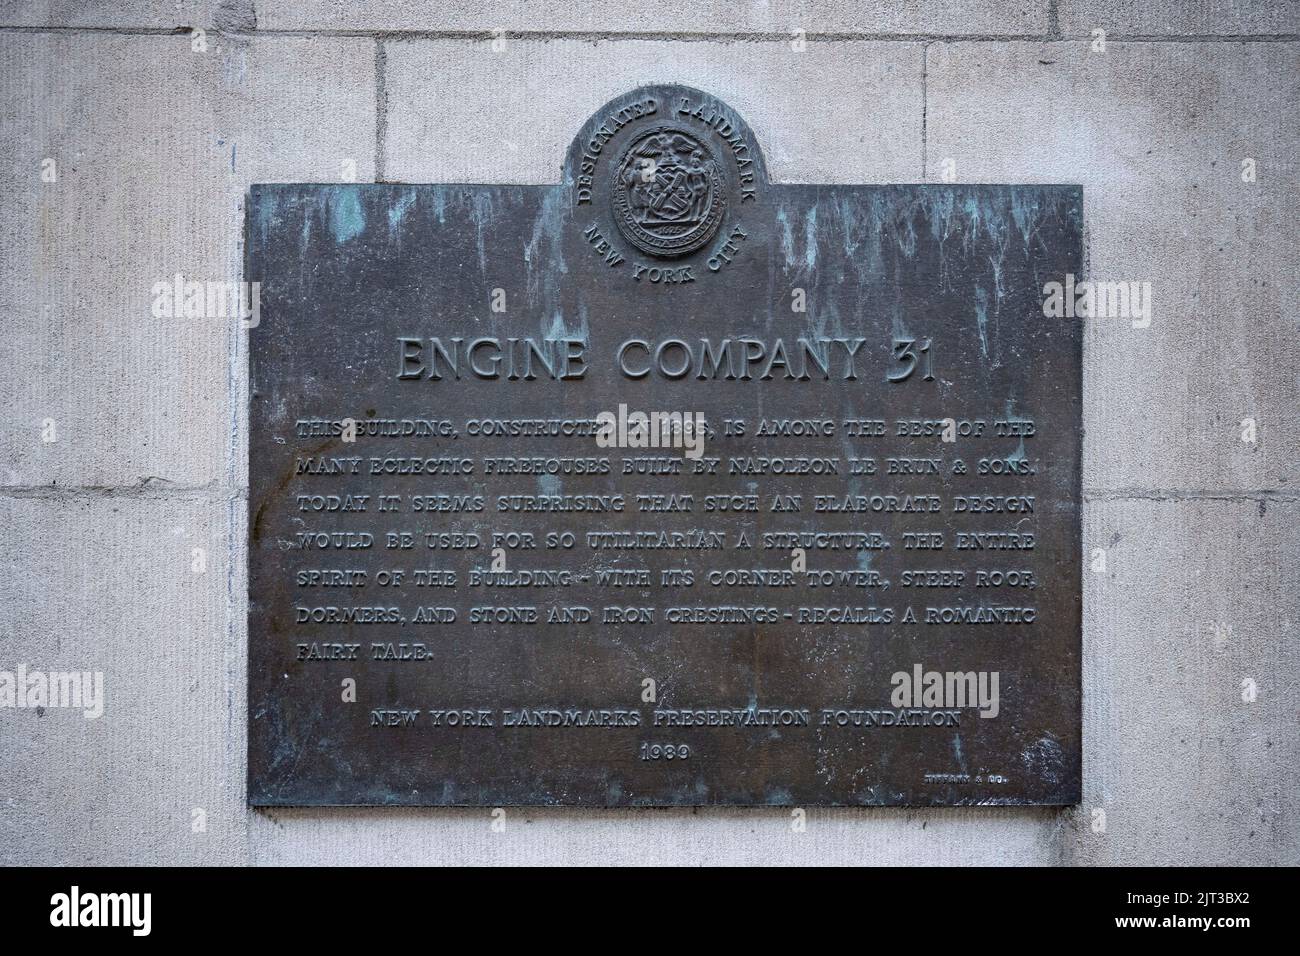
pixel 820 316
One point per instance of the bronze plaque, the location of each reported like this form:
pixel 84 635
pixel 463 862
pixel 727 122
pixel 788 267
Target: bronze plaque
pixel 664 485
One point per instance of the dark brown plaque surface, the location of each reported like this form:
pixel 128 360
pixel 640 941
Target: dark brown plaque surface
pixel 470 585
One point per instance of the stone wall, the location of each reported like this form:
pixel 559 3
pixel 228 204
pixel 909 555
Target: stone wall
pixel 124 475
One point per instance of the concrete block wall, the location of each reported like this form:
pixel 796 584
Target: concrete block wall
pixel 156 130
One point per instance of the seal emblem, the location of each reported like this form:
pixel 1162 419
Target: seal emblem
pixel 669 195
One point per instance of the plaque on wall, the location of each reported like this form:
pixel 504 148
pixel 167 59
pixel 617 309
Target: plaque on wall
pixel 666 484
